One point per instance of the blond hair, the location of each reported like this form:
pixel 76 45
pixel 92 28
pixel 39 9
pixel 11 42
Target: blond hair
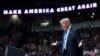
pixel 67 20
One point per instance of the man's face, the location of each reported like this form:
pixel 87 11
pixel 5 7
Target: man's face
pixel 64 25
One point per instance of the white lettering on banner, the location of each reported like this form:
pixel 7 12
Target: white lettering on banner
pixel 70 8
pixel 47 10
pixel 35 11
pixel 26 11
pixel 15 12
pixel 83 6
pixel 5 12
pixel 43 10
pixel 31 11
pixel 58 9
pixel 90 4
pixel 87 6
pixel 19 11
pixel 50 10
pixel 64 9
pixel 94 5
pixel 40 10
pixel 79 7
pixel 73 7
pixel 10 12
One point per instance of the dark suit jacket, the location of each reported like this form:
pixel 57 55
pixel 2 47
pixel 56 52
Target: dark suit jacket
pixel 73 40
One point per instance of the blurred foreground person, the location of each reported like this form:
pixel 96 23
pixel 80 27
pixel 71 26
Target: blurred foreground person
pixel 97 48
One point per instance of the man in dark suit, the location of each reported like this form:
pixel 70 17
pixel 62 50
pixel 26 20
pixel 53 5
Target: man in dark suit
pixel 71 39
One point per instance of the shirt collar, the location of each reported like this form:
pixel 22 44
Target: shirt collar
pixel 67 29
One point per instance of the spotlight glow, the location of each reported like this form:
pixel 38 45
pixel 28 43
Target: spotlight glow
pixel 14 16
pixel 93 13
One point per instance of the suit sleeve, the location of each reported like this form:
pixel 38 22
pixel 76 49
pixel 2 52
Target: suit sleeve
pixel 73 47
pixel 60 44
pixel 77 36
pixel 74 41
